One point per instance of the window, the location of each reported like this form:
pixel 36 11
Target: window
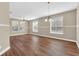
pixel 35 26
pixel 15 26
pixel 22 26
pixel 56 25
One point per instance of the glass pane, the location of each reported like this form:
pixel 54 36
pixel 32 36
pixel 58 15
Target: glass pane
pixel 57 24
pixel 22 26
pixel 15 26
pixel 35 26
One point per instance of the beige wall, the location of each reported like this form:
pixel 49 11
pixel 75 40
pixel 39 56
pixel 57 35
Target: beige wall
pixel 77 26
pixel 69 32
pixel 19 33
pixel 4 30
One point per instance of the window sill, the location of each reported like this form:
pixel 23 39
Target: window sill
pixel 34 31
pixel 56 33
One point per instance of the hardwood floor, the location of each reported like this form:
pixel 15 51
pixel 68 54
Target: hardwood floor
pixel 32 45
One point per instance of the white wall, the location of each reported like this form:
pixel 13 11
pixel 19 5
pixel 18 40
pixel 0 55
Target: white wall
pixel 69 26
pixel 4 26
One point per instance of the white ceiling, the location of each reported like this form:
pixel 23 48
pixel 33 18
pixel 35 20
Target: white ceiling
pixel 32 10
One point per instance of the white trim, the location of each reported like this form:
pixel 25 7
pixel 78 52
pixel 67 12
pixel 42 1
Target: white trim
pixel 4 50
pixel 56 38
pixel 18 34
pixel 4 25
pixel 77 44
pixel 56 33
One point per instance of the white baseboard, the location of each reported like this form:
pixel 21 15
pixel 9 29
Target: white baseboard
pixel 4 51
pixel 18 34
pixel 56 38
pixel 59 39
pixel 77 44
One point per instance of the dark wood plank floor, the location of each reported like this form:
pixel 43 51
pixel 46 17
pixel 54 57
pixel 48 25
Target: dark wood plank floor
pixel 31 45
